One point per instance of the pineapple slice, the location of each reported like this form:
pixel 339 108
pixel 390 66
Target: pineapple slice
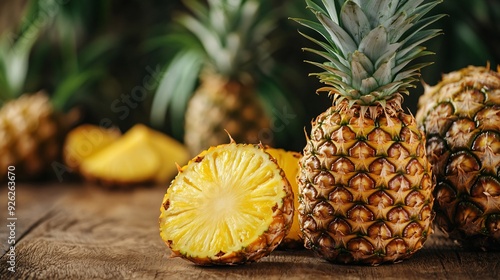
pixel 170 152
pixel 231 204
pixel 289 162
pixel 141 156
pixel 86 140
pixel 130 160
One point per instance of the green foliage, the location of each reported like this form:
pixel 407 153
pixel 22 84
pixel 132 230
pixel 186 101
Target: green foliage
pixel 235 39
pixel 14 55
pixel 53 39
pixel 369 46
pixel 176 88
pixel 471 37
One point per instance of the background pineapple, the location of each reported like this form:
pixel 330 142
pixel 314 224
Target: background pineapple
pixel 224 57
pixel 231 204
pixel 31 134
pixel 32 125
pixel 365 183
pixel 470 38
pixel 461 118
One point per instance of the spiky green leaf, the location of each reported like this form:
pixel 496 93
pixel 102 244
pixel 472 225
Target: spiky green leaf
pixel 175 88
pixel 377 39
pixel 338 35
pixel 375 44
pixel 355 21
pixel 378 11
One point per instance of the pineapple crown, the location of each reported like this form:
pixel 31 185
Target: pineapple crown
pixel 369 46
pixel 233 34
pixel 228 38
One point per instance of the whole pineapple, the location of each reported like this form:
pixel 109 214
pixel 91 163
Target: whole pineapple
pixel 32 125
pixel 221 104
pixel 461 118
pixel 31 133
pixel 365 184
pixel 226 52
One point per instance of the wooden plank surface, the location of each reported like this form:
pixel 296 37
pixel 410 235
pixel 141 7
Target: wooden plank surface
pixel 75 231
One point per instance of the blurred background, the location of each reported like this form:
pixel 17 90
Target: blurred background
pixel 95 54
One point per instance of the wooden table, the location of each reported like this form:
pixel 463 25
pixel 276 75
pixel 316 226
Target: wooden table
pixel 78 231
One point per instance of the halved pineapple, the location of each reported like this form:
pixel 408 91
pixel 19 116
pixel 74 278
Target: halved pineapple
pixel 232 204
pixel 289 162
pixel 84 141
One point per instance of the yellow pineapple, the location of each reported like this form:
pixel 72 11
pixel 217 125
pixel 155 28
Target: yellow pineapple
pixel 127 161
pixel 31 135
pixel 231 204
pixel 461 117
pixel 365 184
pixel 86 140
pixel 289 162
pixel 140 156
pixel 170 153
pixel 219 105
pixel 220 73
pixel 33 124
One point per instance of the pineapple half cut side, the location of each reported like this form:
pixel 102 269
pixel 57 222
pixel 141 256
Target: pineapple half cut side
pixel 232 204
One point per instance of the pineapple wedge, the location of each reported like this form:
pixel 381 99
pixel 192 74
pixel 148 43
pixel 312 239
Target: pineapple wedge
pixel 141 156
pixel 232 204
pixel 289 162
pixel 130 160
pixel 84 141
pixel 170 152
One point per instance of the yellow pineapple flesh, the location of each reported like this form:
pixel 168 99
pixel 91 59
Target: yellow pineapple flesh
pixel 84 141
pixel 289 162
pixel 231 204
pixel 140 156
pixel 461 117
pixel 170 152
pixel 129 160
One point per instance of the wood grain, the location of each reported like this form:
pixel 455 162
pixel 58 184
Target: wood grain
pixel 85 232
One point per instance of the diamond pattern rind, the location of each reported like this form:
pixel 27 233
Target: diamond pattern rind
pixel 365 188
pixel 461 117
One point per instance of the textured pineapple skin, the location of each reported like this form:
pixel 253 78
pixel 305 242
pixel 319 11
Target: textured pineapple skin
pixel 461 118
pixel 220 106
pixel 31 135
pixel 262 246
pixel 365 187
